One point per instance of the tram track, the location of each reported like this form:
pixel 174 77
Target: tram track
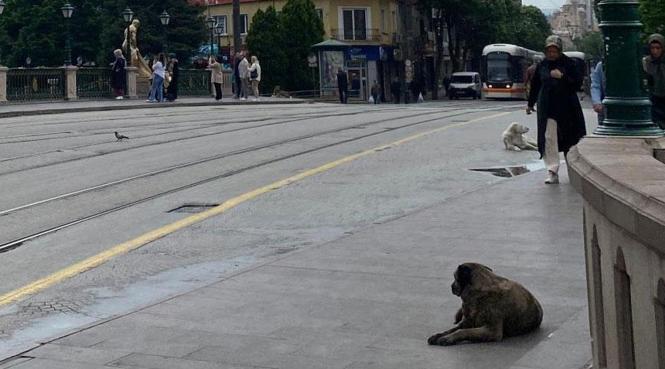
pixel 239 129
pixel 17 242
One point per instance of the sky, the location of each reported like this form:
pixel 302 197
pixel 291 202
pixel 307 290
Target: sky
pixel 544 4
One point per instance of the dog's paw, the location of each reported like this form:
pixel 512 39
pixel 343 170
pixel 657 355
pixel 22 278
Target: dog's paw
pixel 434 339
pixel 517 148
pixel 444 341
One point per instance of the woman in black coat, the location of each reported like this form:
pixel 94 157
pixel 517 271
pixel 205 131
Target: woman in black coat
pixel 118 75
pixel 560 119
pixel 174 71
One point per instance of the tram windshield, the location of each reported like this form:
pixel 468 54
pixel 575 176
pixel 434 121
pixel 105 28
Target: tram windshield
pixel 498 67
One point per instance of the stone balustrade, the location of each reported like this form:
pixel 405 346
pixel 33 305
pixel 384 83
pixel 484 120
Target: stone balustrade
pixel 622 182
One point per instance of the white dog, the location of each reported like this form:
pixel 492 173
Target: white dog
pixel 514 138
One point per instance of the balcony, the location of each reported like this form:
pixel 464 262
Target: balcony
pixel 357 36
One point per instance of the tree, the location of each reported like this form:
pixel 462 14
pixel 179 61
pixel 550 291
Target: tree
pixel 591 44
pixel 301 28
pixel 653 15
pixel 532 28
pixel 36 28
pixel 265 40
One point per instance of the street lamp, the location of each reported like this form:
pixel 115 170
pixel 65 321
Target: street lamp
pixel 219 31
pixel 211 25
pixel 67 11
pixel 128 14
pixel 165 18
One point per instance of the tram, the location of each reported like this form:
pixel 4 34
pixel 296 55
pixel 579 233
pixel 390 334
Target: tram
pixel 503 69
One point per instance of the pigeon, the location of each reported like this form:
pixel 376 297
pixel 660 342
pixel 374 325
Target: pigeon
pixel 120 137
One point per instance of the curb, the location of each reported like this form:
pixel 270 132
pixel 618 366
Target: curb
pixel 27 112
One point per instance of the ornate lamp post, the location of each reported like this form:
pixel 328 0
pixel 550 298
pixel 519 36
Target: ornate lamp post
pixel 219 30
pixel 165 18
pixel 627 108
pixel 128 14
pixel 210 22
pixel 67 11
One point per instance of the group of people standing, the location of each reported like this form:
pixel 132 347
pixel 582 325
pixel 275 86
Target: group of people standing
pixel 244 76
pixel 164 79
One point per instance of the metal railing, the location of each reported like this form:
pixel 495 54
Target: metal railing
pixel 35 84
pixel 93 82
pixel 194 82
pixel 358 34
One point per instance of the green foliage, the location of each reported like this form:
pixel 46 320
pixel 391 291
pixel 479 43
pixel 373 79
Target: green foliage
pixel 282 41
pixel 532 28
pixel 302 28
pixel 591 44
pixel 36 28
pixel 263 40
pixel 653 15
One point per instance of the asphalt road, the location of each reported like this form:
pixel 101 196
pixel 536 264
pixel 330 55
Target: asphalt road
pixel 69 190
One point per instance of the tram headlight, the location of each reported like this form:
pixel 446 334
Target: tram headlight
pixel 509 85
pixel 490 86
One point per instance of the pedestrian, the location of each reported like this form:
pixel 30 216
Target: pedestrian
pixel 560 119
pixel 376 92
pixel 396 90
pixel 446 84
pixel 528 76
pixel 255 76
pixel 243 71
pixel 158 75
pixel 174 72
pixel 217 76
pixel 342 85
pixel 118 75
pixel 654 66
pixel 236 75
pixel 598 90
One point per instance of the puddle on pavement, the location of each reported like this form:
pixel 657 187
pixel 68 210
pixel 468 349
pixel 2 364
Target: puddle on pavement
pixel 511 171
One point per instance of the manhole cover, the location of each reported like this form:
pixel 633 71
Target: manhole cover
pixel 192 208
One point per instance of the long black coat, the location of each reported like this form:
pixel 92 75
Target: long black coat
pixel 342 81
pixel 118 74
pixel 557 99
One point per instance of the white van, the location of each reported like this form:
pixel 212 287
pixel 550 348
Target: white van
pixel 465 84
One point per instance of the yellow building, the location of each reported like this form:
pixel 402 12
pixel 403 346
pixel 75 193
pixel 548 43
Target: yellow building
pixel 365 28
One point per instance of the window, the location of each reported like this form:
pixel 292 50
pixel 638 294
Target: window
pixel 244 26
pixel 624 312
pixel 221 19
pixel 383 20
pixel 319 12
pixel 355 24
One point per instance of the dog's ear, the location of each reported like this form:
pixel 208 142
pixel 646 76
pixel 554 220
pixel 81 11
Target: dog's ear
pixel 463 275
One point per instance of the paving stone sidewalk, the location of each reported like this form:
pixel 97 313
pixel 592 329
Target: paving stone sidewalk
pixel 368 300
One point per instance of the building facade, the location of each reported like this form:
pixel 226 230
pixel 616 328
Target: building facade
pixel 575 19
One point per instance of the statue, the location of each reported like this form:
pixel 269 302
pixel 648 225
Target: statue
pixel 135 55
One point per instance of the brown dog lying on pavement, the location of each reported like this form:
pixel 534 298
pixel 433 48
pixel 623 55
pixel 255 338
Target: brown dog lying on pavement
pixel 493 307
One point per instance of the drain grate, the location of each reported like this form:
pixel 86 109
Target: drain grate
pixel 192 208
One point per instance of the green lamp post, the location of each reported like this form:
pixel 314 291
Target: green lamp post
pixel 627 107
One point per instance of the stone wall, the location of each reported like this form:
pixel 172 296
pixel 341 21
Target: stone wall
pixel 622 181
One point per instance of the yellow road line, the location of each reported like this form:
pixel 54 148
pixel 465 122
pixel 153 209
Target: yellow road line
pixel 158 233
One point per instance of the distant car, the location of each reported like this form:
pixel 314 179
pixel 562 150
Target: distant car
pixel 465 84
